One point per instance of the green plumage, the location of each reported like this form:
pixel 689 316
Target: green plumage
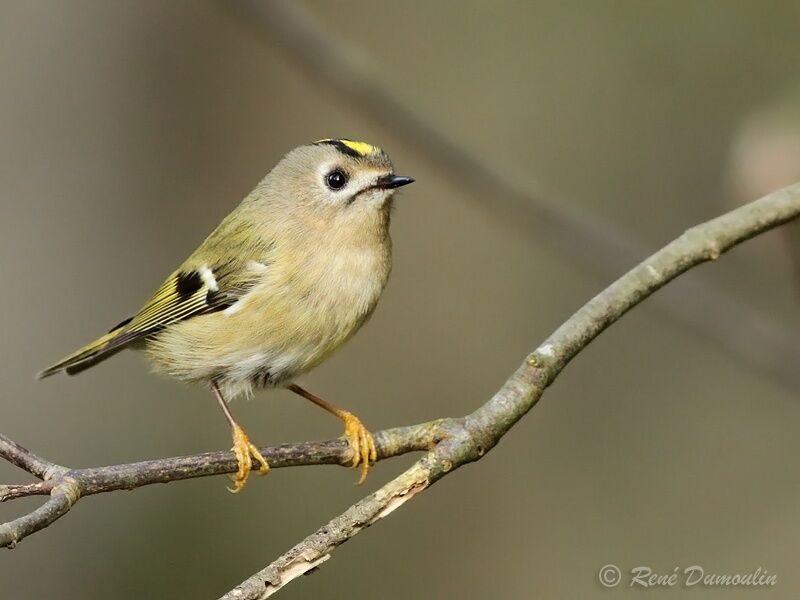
pixel 283 281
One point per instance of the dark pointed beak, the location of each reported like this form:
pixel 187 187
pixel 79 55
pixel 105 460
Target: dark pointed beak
pixel 390 182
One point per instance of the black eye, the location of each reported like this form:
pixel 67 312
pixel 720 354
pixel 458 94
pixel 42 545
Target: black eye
pixel 336 180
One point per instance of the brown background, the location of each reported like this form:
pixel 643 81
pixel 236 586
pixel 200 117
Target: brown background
pixel 128 129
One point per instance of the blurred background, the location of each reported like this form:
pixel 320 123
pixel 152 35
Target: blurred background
pixel 129 129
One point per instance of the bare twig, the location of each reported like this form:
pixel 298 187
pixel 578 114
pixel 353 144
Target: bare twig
pixel 25 459
pixel 469 438
pixel 744 333
pixel 66 486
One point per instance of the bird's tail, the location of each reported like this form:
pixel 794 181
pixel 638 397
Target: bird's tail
pixel 91 354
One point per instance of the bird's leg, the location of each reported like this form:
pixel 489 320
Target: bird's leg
pixel 359 438
pixel 243 448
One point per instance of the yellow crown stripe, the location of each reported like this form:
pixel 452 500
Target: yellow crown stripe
pixel 359 148
pixel 363 148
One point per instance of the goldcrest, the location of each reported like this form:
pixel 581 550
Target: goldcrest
pixel 286 278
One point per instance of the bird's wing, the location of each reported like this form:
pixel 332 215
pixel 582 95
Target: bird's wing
pixel 187 293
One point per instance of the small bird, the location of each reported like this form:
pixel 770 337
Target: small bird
pixel 286 278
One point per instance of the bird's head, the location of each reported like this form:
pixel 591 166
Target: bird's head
pixel 335 183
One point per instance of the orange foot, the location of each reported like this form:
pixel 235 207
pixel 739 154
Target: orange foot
pixel 361 442
pixel 244 450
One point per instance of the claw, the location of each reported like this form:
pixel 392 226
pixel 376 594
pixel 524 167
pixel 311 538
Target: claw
pixel 245 450
pixel 361 443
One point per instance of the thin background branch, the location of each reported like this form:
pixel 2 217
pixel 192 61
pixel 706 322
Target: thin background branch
pixel 744 333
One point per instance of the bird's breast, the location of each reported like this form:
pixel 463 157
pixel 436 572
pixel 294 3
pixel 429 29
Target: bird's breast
pixel 302 312
pixel 335 292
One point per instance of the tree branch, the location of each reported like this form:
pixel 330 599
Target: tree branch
pixel 469 438
pixel 450 443
pixel 66 486
pixel 753 338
